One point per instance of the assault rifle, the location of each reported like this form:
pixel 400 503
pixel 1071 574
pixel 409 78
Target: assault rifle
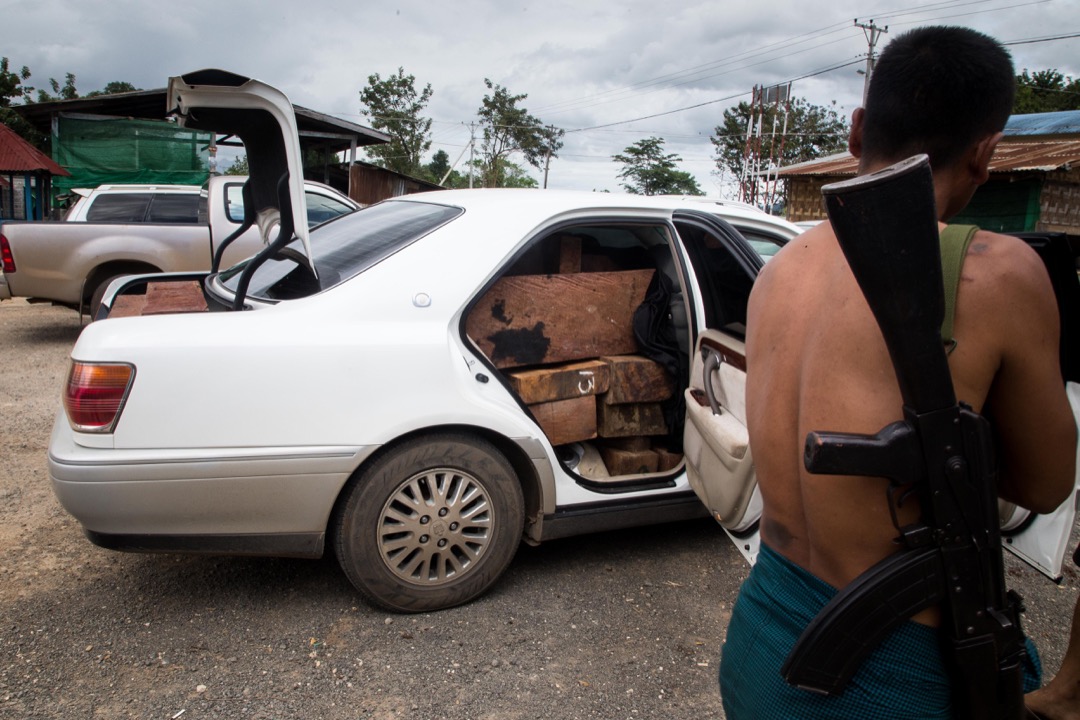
pixel 941 451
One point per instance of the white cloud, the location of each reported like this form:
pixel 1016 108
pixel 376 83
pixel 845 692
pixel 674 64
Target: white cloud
pixel 582 63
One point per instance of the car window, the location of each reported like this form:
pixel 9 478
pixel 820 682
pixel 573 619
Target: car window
pixel 343 249
pixel 119 208
pixel 723 278
pixel 764 244
pixel 321 208
pixel 175 208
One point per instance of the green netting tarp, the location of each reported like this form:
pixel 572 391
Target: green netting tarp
pixel 117 150
pixel 1004 205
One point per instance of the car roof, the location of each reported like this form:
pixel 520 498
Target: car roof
pixel 551 202
pixel 129 188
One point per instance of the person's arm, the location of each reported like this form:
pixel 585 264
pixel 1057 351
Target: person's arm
pixel 1026 402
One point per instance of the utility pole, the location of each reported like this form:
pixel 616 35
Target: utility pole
pixel 547 155
pixel 872 33
pixel 472 146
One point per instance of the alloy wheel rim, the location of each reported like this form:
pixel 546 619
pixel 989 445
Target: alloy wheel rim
pixel 435 526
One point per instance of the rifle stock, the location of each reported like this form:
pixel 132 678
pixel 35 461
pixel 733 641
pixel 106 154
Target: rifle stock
pixel 886 226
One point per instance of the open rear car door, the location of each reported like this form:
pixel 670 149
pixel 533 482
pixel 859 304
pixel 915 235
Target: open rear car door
pixel 719 462
pixel 716 445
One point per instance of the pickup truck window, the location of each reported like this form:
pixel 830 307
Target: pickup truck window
pixel 119 208
pixel 175 208
pixel 144 207
pixel 320 207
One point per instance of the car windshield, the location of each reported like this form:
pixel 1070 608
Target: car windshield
pixel 342 249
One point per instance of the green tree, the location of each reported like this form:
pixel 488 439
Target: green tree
pixel 812 131
pixel 515 176
pixel 14 91
pixel 395 108
pixel 1045 91
pixel 239 166
pixel 438 166
pixel 509 129
pixel 116 86
pixel 66 91
pixel 648 170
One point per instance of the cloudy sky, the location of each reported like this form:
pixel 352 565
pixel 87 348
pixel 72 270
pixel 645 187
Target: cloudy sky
pixel 609 73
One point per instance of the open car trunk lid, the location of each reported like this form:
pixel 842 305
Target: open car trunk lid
pixel 263 118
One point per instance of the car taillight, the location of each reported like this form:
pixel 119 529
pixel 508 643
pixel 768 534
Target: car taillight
pixel 95 394
pixel 6 257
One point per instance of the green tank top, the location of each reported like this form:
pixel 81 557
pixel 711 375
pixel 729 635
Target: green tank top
pixel 955 240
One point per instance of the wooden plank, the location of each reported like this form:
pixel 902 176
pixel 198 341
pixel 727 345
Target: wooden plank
pixel 542 319
pixel 629 462
pixel 633 442
pixel 128 306
pixel 561 382
pixel 567 421
pixel 174 297
pixel 668 460
pixel 636 379
pixel 630 419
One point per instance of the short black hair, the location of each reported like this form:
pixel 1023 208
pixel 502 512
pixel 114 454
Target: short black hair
pixel 937 90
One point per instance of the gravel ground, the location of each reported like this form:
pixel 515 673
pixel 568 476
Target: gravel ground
pixel 615 625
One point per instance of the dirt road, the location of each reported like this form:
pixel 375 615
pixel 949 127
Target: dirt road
pixel 616 625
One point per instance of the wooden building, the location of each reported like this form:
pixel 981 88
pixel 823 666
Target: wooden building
pixel 25 177
pixel 1034 179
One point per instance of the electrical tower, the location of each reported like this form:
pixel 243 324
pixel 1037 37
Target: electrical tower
pixel 763 153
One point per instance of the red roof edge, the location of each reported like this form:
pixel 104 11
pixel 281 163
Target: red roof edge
pixel 19 156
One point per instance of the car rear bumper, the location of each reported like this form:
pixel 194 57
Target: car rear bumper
pixel 5 291
pixel 266 501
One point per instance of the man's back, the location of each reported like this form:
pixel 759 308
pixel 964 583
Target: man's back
pixel 817 361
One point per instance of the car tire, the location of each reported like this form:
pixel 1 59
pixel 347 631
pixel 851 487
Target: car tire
pixel 431 524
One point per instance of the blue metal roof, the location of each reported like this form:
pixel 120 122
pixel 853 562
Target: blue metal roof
pixel 1066 122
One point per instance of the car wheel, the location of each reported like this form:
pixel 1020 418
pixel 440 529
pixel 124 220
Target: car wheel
pixel 431 524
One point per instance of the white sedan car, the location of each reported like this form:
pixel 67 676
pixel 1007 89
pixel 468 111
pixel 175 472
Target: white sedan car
pixel 421 385
pixel 459 373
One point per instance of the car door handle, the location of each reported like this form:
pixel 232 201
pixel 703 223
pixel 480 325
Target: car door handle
pixel 712 367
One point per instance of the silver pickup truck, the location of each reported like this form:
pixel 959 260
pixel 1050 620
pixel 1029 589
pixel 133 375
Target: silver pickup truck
pixel 72 263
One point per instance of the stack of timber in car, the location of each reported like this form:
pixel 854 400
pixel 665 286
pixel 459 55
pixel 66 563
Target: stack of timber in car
pixel 630 413
pixel 565 344
pixel 563 398
pixel 546 319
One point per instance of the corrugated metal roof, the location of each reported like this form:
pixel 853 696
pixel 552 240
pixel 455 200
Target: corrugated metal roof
pixel 839 164
pixel 1012 155
pixel 1066 122
pixel 19 156
pixel 1039 141
pixel 1031 154
pixel 150 104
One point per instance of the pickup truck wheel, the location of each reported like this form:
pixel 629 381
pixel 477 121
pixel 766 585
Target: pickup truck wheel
pixel 431 524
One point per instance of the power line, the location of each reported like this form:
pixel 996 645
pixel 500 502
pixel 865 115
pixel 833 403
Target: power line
pixel 712 102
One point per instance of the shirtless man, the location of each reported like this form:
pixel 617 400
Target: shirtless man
pixel 817 361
